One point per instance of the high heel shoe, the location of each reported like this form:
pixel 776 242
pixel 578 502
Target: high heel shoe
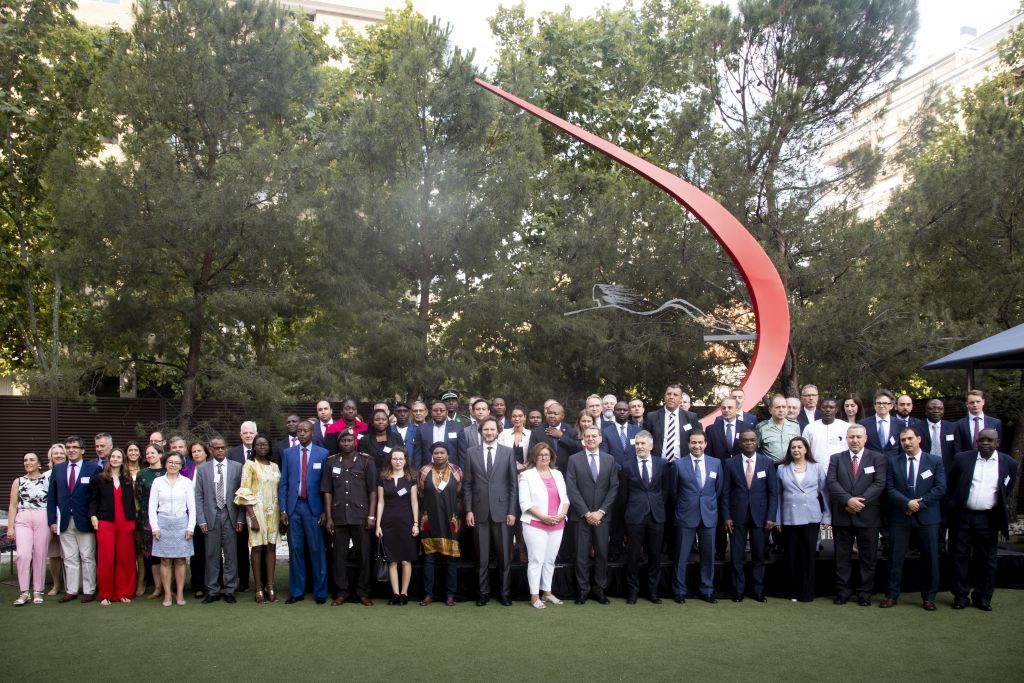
pixel 395 599
pixel 270 594
pixel 259 598
pixel 22 599
pixel 403 599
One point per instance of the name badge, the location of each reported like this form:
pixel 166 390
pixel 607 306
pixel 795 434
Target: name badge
pixel 632 442
pixel 452 435
pixel 762 474
pixel 713 474
pixel 336 470
pixel 403 492
pixel 442 486
pixel 1006 482
pixel 387 449
pixel 869 470
pixel 949 437
pixel 892 441
pixel 85 480
pixel 317 465
pixel 926 474
pixel 687 427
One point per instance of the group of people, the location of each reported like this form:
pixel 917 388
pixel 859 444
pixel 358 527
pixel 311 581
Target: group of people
pixel 618 482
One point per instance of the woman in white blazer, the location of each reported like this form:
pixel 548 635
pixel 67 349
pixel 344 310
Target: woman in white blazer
pixel 545 504
pixel 803 511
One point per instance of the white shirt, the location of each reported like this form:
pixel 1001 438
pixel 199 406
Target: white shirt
pixel 809 414
pixel 440 432
pixel 402 431
pixel 640 467
pixel 826 439
pixel 676 440
pixel 175 500
pixel 984 483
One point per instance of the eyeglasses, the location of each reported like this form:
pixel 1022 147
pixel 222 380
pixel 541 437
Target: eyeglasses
pixel 218 448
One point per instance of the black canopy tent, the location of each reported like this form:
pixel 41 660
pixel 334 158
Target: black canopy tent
pixel 1000 351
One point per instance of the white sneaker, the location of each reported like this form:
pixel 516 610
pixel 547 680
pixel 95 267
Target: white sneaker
pixel 551 598
pixel 22 599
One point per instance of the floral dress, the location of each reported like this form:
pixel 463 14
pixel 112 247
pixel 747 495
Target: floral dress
pixel 259 489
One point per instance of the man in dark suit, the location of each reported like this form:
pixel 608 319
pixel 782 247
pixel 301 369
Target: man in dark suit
pixel 968 427
pixel 498 410
pixel 856 483
pixel 220 522
pixel 670 425
pixel 439 428
pixel 291 423
pixel 980 484
pixel 724 434
pixel 749 505
pixel 881 428
pixel 642 484
pixel 490 494
pixel 324 419
pixel 744 415
pixel 592 482
pixel 405 429
pixel 915 485
pixel 636 412
pixel 479 410
pixel 68 497
pixel 904 406
pixel 939 439
pixel 302 510
pixel 696 485
pixel 557 433
pixel 808 406
pixel 242 452
pixel 617 439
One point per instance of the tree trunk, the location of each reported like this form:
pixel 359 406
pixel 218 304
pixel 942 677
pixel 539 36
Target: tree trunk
pixel 189 384
pixel 415 386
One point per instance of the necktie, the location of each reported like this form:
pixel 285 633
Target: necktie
pixel 490 459
pixel 248 454
pixel 643 474
pixel 670 438
pixel 698 471
pixel 883 433
pixel 977 428
pixel 936 439
pixel 856 465
pixel 593 466
pixel 750 472
pixel 728 436
pixel 302 485
pixel 622 435
pixel 293 441
pixel 72 481
pixel 911 479
pixel 220 486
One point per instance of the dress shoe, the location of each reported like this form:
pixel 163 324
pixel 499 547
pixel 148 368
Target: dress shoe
pixel 930 606
pixel 230 598
pixel 655 600
pixel 840 600
pixel 887 603
pixel 984 606
pixel 864 601
pixel 581 598
pixel 737 598
pixel 340 600
pixel 210 598
pixel 680 599
pixel 88 597
pixel 449 601
pixel 482 600
pixel 365 601
pixel 630 601
pixel 395 599
pixel 292 599
pixel 403 599
pixel 601 598
pixel 506 601
pixel 960 603
pixel 67 597
pixel 710 599
pixel 426 601
pixel 320 601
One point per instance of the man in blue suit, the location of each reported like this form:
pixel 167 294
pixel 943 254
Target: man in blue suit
pixel 881 428
pixel 403 428
pixel 724 435
pixel 915 484
pixel 697 485
pixel 302 509
pixel 968 427
pixel 617 439
pixel 749 504
pixel 904 406
pixel 939 439
pixel 642 483
pixel 439 428
pixel 68 497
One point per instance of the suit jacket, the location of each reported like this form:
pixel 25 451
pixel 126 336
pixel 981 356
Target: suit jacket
pixel 891 447
pixel 206 492
pixel 291 478
pixel 802 417
pixel 869 485
pixel 471 435
pixel 533 493
pixel 803 502
pixel 409 441
pixel 947 437
pixel 640 499
pixel 959 486
pixel 717 445
pixel 102 499
pixel 761 499
pixel 564 447
pixel 685 421
pixel 280 446
pixel 318 433
pixel 368 445
pixel 964 432
pixel 452 436
pixel 929 486
pixel 490 496
pixel 70 504
pixel 915 423
pixel 696 505
pixel 237 454
pixel 585 494
pixel 507 438
pixel 611 442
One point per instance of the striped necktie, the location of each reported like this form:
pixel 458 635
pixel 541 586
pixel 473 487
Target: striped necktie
pixel 669 450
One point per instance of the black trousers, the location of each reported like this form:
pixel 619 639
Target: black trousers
pixel 360 537
pixel 741 529
pixel 975 555
pixel 500 534
pixel 648 534
pixel 197 563
pixel 596 537
pixel 242 553
pixel 800 541
pixel 867 547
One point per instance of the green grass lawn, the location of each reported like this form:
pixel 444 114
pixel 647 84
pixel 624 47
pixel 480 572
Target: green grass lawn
pixel 776 641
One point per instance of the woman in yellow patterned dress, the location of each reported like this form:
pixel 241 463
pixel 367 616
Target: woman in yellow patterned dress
pixel 258 494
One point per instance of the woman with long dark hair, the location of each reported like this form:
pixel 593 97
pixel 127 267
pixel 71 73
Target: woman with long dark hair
pixel 112 513
pixel 397 522
pixel 803 512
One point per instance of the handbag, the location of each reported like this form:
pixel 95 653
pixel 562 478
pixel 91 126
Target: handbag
pixel 380 563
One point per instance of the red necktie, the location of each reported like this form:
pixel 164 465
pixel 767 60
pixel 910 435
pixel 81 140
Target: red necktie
pixel 976 421
pixel 71 481
pixel 302 486
pixel 856 465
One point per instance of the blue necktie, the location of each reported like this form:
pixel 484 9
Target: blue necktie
pixel 593 466
pixel 644 476
pixel 728 436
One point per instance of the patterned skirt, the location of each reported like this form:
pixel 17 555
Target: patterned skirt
pixel 172 541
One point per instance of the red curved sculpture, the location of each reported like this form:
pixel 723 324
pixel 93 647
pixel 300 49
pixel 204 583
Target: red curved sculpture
pixel 767 295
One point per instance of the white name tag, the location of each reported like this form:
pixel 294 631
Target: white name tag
pixel 632 442
pixel 317 465
pixel 442 486
pixel 869 470
pixel 387 449
pixel 926 474
pixel 892 441
pixel 687 427
pixel 336 470
pixel 403 492
pixel 762 474
pixel 452 435
pixel 713 474
pixel 1006 482
pixel 85 480
pixel 949 437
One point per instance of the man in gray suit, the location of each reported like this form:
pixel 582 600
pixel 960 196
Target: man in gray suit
pixel 592 483
pixel 479 410
pixel 219 520
pixel 490 492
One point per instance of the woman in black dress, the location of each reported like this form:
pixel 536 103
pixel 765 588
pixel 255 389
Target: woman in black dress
pixel 380 440
pixel 397 526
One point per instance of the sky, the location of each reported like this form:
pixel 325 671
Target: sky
pixel 938 35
